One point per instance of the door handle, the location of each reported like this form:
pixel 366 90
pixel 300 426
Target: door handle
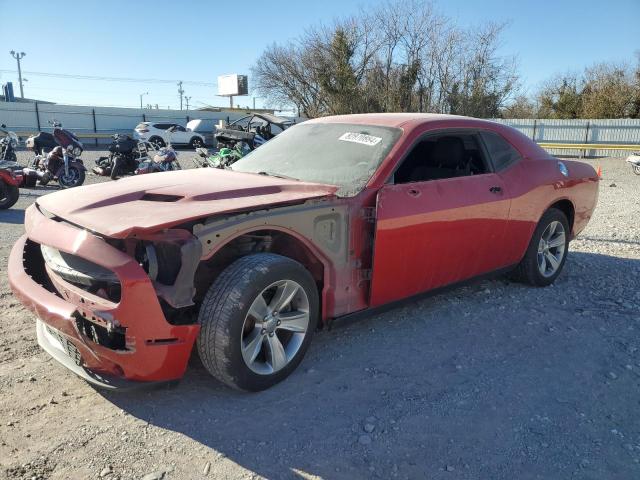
pixel 495 189
pixel 413 192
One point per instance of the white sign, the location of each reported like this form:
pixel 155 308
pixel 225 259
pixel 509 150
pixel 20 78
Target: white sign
pixel 232 85
pixel 361 138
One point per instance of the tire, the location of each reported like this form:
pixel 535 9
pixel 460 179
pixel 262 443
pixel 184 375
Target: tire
pixel 196 142
pixel 76 177
pixel 227 325
pixel 529 269
pixel 12 157
pixel 116 168
pixel 157 142
pixel 636 169
pixel 8 195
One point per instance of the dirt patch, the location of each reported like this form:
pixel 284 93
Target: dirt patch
pixel 492 380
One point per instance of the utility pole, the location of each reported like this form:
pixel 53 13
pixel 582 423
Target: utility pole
pixel 180 92
pixel 18 57
pixel 187 100
pixel 142 95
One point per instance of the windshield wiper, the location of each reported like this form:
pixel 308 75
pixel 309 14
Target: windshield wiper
pixel 278 175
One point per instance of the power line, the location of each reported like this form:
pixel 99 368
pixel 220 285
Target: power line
pixel 111 79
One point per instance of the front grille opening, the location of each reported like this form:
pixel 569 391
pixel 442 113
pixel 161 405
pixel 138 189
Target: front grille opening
pixel 33 264
pixel 114 339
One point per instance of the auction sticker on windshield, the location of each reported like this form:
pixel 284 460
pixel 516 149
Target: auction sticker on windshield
pixel 362 138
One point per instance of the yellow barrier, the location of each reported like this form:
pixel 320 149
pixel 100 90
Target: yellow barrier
pixel 589 146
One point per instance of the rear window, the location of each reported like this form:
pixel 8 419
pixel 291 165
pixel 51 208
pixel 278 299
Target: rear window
pixel 501 152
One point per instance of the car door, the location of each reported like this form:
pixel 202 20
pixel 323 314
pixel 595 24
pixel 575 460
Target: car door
pixel 180 135
pixel 434 231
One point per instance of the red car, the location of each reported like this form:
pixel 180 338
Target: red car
pixel 334 216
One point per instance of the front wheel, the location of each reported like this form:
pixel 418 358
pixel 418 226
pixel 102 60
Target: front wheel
pixel 8 195
pixel 196 142
pixel 257 321
pixel 74 178
pixel 636 169
pixel 547 251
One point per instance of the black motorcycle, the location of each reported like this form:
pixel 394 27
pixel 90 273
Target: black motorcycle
pixel 125 155
pixel 8 145
pixel 45 141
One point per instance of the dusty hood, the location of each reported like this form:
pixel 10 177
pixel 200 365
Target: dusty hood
pixel 161 200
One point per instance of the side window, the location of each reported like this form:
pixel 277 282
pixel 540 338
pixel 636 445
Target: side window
pixel 161 126
pixel 446 155
pixel 180 128
pixel 501 152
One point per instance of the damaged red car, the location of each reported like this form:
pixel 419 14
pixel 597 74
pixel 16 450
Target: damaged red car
pixel 334 216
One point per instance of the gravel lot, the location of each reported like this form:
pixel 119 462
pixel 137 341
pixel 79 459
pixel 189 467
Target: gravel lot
pixel 493 380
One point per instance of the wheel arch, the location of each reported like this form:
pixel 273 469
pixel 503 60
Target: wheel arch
pixel 267 238
pixel 567 207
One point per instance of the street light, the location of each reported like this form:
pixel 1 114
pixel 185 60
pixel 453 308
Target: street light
pixel 18 57
pixel 142 95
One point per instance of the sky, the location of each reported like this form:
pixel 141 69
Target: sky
pixel 195 41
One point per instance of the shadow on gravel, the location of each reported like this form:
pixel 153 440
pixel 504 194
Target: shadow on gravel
pixel 490 380
pixel 12 215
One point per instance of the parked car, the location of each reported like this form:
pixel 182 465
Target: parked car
pixel 156 133
pixel 334 216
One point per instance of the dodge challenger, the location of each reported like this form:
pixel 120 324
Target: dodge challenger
pixel 334 216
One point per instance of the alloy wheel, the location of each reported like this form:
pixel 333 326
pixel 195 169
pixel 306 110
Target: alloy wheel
pixel 275 327
pixel 551 249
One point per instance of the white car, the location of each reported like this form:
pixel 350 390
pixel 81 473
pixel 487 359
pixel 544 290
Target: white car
pixel 157 134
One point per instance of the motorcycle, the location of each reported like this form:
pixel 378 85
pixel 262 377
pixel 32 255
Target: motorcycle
pixel 223 158
pixel 235 144
pixel 59 164
pixel 45 141
pixel 125 156
pixel 634 160
pixel 8 145
pixel 11 177
pixel 165 160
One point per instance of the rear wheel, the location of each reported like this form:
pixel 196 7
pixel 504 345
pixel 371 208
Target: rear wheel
pixel 117 167
pixel 636 169
pixel 257 321
pixel 8 195
pixel 157 142
pixel 547 251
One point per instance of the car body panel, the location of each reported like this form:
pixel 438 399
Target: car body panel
pixel 153 202
pixel 431 234
pixel 385 243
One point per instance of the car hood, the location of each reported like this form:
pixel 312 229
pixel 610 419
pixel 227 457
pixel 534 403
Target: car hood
pixel 151 202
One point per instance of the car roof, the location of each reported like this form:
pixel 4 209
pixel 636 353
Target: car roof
pixel 411 121
pixel 387 119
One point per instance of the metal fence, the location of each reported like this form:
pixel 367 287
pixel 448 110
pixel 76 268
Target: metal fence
pixel 617 131
pixel 34 117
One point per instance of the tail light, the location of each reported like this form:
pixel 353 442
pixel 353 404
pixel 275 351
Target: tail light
pixel 143 131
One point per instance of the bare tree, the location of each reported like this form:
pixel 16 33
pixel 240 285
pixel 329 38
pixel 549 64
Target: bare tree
pixel 402 56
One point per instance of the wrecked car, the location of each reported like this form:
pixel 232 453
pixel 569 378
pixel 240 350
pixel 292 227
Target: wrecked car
pixel 334 216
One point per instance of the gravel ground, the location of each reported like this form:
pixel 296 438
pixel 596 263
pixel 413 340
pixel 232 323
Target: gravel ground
pixel 492 380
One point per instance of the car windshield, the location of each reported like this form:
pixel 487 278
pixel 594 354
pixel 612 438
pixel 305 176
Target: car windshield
pixel 338 154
